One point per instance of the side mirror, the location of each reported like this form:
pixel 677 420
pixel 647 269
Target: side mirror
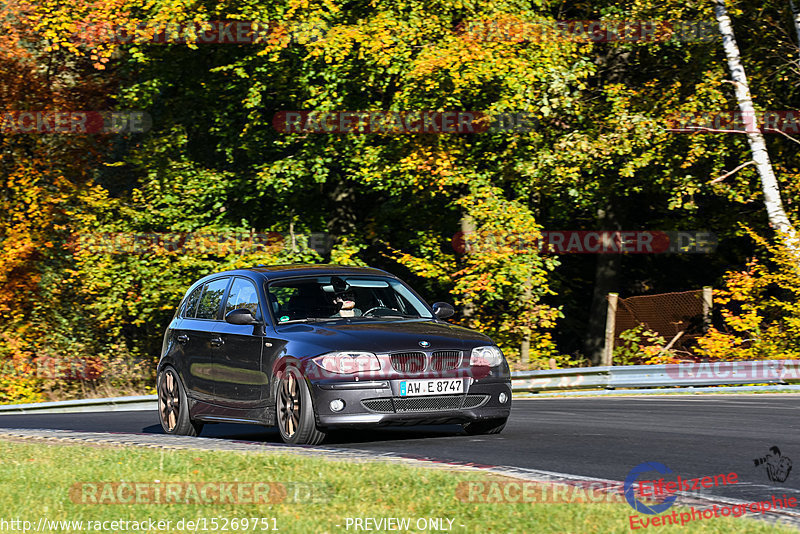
pixel 240 316
pixel 443 310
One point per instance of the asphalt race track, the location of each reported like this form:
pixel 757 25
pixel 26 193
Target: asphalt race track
pixel 602 437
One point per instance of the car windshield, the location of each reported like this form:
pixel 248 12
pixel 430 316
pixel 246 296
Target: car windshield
pixel 324 298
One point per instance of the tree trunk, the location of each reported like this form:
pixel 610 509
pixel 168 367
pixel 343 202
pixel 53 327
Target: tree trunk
pixel 769 184
pixel 525 350
pixel 468 232
pixel 606 280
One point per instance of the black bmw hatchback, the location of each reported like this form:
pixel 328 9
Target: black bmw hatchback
pixel 311 348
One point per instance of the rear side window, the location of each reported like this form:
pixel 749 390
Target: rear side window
pixel 243 295
pixel 190 304
pixel 208 307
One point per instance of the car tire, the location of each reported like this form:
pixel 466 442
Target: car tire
pixel 173 407
pixel 487 426
pixel 295 410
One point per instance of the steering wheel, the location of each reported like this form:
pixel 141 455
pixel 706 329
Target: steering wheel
pixel 377 308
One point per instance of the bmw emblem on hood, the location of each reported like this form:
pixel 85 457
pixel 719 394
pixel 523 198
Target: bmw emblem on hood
pixel 424 344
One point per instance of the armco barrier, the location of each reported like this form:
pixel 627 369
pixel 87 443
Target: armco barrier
pixel 561 379
pixel 777 372
pixel 115 404
pixel 609 378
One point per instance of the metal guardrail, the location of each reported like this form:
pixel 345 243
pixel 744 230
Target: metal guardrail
pixel 113 404
pixel 607 379
pixel 775 372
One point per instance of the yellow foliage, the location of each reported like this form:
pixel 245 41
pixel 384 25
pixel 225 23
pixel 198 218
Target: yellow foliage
pixel 760 309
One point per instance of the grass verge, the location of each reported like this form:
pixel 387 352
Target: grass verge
pixel 58 482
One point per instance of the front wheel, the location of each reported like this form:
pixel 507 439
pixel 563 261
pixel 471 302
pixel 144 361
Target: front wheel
pixel 487 426
pixel 173 409
pixel 296 421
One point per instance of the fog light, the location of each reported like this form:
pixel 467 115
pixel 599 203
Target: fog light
pixel 337 405
pixel 502 398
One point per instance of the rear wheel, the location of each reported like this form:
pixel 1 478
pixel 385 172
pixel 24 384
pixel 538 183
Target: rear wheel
pixel 173 409
pixel 296 421
pixel 487 426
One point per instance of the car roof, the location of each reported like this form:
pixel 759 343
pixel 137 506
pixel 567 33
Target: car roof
pixel 271 272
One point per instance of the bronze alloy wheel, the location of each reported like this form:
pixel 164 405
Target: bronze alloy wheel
pixel 173 409
pixel 169 400
pixel 290 405
pixel 296 420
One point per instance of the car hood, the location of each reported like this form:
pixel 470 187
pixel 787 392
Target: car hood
pixel 381 336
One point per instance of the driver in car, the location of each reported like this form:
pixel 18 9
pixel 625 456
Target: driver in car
pixel 346 303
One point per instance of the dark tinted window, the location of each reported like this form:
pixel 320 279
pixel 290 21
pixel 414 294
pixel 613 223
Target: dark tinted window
pixel 208 307
pixel 343 296
pixel 190 304
pixel 243 295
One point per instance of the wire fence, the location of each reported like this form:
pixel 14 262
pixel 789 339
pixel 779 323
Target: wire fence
pixel 684 314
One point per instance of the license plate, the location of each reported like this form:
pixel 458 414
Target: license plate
pixel 410 388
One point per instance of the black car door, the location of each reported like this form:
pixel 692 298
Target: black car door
pixel 197 337
pixel 176 340
pixel 239 380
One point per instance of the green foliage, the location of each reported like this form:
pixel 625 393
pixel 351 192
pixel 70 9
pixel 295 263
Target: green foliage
pixel 641 346
pixel 760 308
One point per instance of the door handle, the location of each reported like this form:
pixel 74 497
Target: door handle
pixel 183 338
pixel 216 341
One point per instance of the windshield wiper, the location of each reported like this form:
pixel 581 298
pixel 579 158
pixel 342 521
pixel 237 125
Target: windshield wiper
pixel 392 316
pixel 310 320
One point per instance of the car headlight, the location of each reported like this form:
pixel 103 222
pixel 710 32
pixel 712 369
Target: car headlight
pixel 348 363
pixel 490 356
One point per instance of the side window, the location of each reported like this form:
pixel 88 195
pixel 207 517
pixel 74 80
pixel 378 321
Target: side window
pixel 280 297
pixel 243 295
pixel 190 304
pixel 211 298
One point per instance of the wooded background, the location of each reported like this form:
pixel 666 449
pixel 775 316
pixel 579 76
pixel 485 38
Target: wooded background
pixel 87 319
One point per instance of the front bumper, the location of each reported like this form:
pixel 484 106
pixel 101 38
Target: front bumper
pixel 378 402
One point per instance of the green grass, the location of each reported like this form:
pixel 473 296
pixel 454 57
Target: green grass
pixel 35 481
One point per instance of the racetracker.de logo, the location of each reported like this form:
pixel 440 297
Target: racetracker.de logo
pixel 74 122
pixel 586 242
pixel 497 491
pixel 735 372
pixel 174 493
pixel 198 32
pixel 786 122
pixel 401 122
pixel 219 243
pixel 516 30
